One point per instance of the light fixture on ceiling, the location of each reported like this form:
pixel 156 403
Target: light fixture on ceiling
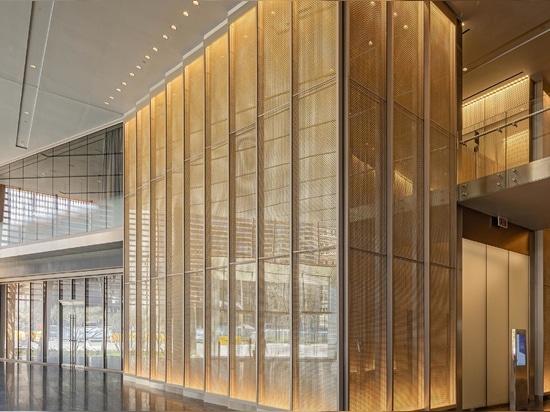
pixel 173 27
pixel 148 57
pixel 118 89
pixel 155 49
pixel 27 113
pixel 195 3
pixel 405 27
pixel 132 74
pixel 165 36
pixel 107 103
pixel 124 83
pixel 185 13
pixel 32 66
pixel 464 69
pixel 138 67
pixel 111 97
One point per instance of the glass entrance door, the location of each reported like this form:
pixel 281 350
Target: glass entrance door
pixel 72 333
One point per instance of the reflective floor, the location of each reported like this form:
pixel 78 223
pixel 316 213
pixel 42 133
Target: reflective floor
pixel 50 388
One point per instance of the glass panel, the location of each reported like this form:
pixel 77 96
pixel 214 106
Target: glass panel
pixel 218 314
pixel 143 328
pixel 94 322
pixel 97 180
pixel 73 331
pixel 194 330
pixel 30 175
pixel 78 186
pixel 113 323
pixel 316 292
pixel 23 321
pixel 130 317
pixel 408 335
pixel 61 189
pixel 11 321
pixel 174 329
pixel 130 156
pixel 274 333
pixel 243 345
pixel 37 321
pixel 367 331
pixel 79 293
pixel 52 319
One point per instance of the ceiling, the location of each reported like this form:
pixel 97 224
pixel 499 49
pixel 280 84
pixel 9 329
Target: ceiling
pixel 63 63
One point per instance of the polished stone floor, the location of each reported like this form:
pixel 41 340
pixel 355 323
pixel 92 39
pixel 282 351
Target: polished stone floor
pixel 26 387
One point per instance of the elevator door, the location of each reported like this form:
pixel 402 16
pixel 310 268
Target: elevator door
pixel 72 333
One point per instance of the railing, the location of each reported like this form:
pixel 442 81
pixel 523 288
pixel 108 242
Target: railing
pixel 505 141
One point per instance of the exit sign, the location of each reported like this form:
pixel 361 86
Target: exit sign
pixel 502 222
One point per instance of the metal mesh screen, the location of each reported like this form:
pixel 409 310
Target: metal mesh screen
pixel 243 334
pixel 367 331
pixel 217 92
pixel 217 325
pixel 130 322
pixel 158 135
pixel 315 347
pixel 158 228
pixel 143 328
pixel 546 310
pixel 316 163
pixel 442 336
pixel 174 329
pixel 408 181
pixel 194 330
pixel 442 66
pixel 158 329
pixel 130 156
pixel 143 146
pixel 408 335
pixel 194 109
pixel 244 192
pixel 274 332
pixel 367 171
pixel 194 214
pixel 408 51
pixel 174 222
pixel 274 179
pixel 174 124
pixel 274 55
pixel 217 205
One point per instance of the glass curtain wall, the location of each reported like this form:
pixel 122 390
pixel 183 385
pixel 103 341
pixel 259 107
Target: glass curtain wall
pixel 70 189
pixel 35 331
pixel 260 287
pixel 401 152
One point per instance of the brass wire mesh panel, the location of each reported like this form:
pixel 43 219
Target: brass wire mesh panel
pixel 194 330
pixel 194 109
pixel 174 124
pixel 442 336
pixel 174 222
pixel 408 335
pixel 130 322
pixel 130 239
pixel 367 171
pixel 217 205
pixel 174 329
pixel 194 214
pixel 274 171
pixel 217 92
pixel 130 156
pixel 143 135
pixel 408 181
pixel 244 193
pixel 143 234
pixel 158 329
pixel 158 135
pixel 316 323
pixel 274 51
pixel 546 308
pixel 158 228
pixel 243 70
pixel 367 45
pixel 143 328
pixel 243 334
pixel 316 163
pixel 367 332
pixel 11 329
pixel 408 55
pixel 274 332
pixel 217 325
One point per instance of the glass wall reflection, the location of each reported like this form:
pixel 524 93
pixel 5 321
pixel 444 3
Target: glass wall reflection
pixel 70 321
pixel 73 188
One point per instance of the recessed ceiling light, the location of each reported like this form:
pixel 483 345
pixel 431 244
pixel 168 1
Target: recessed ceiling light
pixel 118 89
pixel 173 27
pixel 464 69
pixel 372 3
pixel 405 27
pixel 394 14
pixel 132 74
pixel 27 113
pixel 124 83
pixel 165 37
pixel 107 103
pixel 111 97
pixel 195 3
pixel 463 24
pixel 155 49
pixel 32 66
pixel 186 13
pixel 147 57
pixel 370 43
pixel 138 67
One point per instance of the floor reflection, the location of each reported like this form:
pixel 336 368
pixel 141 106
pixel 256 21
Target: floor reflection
pixel 31 387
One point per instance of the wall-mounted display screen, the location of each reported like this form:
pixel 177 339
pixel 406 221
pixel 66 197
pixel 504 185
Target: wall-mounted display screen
pixel 521 348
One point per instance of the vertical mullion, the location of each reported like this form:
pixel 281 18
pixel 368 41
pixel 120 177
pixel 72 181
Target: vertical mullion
pixel 389 205
pixel 426 189
pixel 205 283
